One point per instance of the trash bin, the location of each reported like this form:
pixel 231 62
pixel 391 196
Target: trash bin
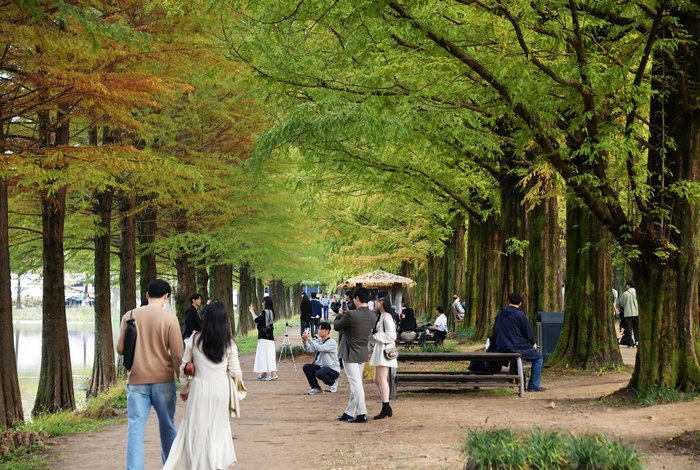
pixel 549 325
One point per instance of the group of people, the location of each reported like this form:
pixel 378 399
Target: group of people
pixel 203 438
pixel 359 329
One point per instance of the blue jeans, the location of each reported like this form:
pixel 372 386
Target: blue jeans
pixel 139 399
pixel 535 373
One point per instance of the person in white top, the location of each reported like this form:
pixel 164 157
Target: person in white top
pixel 383 336
pixel 439 328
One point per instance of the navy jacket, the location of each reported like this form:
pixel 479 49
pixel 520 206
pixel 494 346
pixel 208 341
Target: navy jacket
pixel 514 333
pixel 315 308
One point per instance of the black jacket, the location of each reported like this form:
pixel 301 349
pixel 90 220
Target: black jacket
pixel 193 322
pixel 514 333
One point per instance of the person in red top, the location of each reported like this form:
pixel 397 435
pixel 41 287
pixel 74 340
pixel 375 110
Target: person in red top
pixel 151 380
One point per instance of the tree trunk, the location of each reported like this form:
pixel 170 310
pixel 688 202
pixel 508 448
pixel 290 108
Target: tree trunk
pixel 259 294
pixel 222 289
pixel 545 267
pixel 55 391
pixel 408 270
pixel 588 338
pixel 146 225
pixel 515 244
pixel 18 301
pixel 667 294
pixel 484 252
pixel 296 299
pixel 245 298
pixel 11 412
pixel 127 262
pixel 103 368
pixel 277 292
pixel 203 283
pixel 186 275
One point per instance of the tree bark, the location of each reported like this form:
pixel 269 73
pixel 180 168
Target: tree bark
pixel 222 289
pixel 516 245
pixel 186 275
pixel 485 299
pixel 103 368
pixel 55 391
pixel 18 300
pixel 203 283
pixel 245 298
pixel 588 337
pixel 667 356
pixel 146 226
pixel 127 262
pixel 127 254
pixel 11 412
pixel 545 267
pixel 408 270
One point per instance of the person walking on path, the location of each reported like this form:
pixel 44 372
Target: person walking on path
pixel 151 379
pixel 514 335
pixel 326 366
pixel 204 437
pixel 193 320
pixel 630 312
pixel 265 352
pixel 305 313
pixel 384 335
pixel 316 311
pixel 355 326
pixel 325 302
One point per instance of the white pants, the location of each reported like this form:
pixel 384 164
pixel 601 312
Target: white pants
pixel 356 405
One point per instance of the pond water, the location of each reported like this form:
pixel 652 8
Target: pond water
pixel 81 338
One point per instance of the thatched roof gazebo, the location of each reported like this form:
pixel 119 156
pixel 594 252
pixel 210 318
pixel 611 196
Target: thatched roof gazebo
pixel 378 279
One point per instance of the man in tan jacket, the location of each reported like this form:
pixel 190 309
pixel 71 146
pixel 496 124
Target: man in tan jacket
pixel 151 380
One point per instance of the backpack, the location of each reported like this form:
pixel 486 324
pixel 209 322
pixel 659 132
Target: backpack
pixel 130 342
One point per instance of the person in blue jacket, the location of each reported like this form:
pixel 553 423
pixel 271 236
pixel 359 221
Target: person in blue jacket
pixel 514 335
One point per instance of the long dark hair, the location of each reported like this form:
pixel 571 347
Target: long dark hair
pixel 386 300
pixel 215 337
pixel 267 303
pixel 304 298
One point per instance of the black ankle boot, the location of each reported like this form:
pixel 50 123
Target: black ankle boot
pixel 386 411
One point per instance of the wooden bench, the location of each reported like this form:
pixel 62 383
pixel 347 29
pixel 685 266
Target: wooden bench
pixel 512 376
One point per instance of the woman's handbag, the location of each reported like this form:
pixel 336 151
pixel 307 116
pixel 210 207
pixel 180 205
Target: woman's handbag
pixel 189 367
pixel 390 352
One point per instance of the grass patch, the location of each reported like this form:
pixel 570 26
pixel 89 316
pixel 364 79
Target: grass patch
pixel 466 334
pixel 659 395
pixel 431 348
pixel 26 452
pixel 247 342
pixel 555 450
pixel 297 351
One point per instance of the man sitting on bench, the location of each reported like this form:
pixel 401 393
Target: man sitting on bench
pixel 439 328
pixel 514 335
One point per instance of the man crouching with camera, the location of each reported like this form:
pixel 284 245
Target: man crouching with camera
pixel 326 366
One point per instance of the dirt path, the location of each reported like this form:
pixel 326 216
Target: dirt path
pixel 281 427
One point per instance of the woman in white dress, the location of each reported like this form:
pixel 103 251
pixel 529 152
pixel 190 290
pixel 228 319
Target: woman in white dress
pixel 384 334
pixel 204 438
pixel 265 363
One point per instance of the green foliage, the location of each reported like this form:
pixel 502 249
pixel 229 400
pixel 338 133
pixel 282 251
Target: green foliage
pixel 431 348
pixel 537 449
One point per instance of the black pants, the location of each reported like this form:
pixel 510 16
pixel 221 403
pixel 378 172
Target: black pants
pixel 315 373
pixel 632 324
pixel 315 322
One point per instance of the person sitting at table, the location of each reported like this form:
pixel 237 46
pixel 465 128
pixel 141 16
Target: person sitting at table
pixel 439 328
pixel 407 326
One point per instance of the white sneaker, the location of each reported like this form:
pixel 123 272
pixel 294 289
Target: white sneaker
pixel 334 387
pixel 314 391
pixel 272 377
pixel 261 377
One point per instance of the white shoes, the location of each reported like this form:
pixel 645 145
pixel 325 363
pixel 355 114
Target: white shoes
pixel 334 387
pixel 272 377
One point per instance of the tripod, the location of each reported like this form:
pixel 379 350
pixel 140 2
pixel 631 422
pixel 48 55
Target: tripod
pixel 286 346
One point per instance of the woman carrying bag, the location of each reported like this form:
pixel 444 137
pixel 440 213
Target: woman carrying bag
pixel 265 352
pixel 204 437
pixel 384 337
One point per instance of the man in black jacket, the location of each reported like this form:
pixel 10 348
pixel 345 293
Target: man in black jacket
pixel 193 321
pixel 514 335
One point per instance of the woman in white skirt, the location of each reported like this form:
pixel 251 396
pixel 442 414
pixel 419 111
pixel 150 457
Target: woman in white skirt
pixel 204 439
pixel 265 352
pixel 384 335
